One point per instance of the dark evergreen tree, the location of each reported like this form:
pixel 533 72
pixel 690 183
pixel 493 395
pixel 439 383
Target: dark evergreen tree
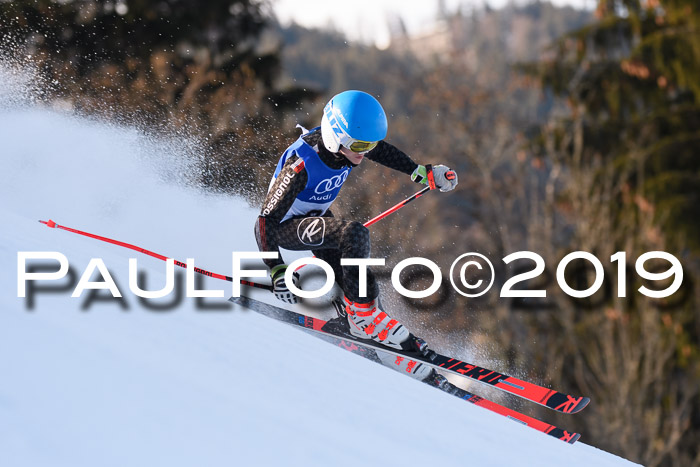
pixel 635 75
pixel 630 136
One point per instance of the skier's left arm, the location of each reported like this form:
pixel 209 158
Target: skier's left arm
pixel 390 156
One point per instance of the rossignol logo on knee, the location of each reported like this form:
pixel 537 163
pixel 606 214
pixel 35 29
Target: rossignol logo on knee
pixel 312 230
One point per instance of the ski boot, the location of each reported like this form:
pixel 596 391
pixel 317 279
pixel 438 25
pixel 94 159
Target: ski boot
pixel 368 321
pixel 411 344
pixel 344 323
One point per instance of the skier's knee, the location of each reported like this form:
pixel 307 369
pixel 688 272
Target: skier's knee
pixel 359 232
pixel 357 237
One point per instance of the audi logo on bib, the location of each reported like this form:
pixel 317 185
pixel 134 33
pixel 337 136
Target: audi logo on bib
pixel 331 184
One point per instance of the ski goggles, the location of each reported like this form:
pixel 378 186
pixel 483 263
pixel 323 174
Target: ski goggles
pixel 358 146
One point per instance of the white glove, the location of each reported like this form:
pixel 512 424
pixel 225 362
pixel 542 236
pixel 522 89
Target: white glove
pixel 442 177
pixel 279 287
pixel 445 179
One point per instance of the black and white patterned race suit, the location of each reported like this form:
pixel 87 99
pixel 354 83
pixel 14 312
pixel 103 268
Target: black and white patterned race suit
pixel 296 215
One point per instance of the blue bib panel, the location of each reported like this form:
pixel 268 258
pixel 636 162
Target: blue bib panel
pixel 322 186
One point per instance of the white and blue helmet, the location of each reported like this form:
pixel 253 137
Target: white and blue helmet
pixel 353 119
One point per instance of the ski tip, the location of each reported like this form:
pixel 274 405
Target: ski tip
pixel 565 403
pixel 581 405
pixel 575 437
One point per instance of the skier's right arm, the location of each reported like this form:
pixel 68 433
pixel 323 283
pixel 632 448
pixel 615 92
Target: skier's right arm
pixel 289 183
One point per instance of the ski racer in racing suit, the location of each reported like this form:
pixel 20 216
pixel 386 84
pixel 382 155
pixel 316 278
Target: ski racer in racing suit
pixel 296 216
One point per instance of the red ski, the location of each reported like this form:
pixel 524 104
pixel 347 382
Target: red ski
pixel 551 430
pixel 550 398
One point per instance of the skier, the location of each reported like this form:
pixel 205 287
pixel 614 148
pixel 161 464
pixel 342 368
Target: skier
pixel 296 215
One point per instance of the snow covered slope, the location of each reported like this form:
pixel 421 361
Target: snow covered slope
pixel 102 383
